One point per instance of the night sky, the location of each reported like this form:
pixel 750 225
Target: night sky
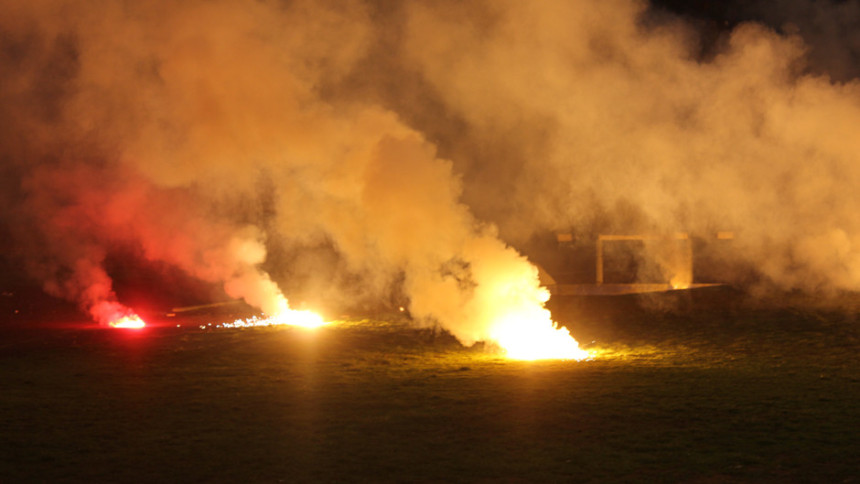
pixel 829 27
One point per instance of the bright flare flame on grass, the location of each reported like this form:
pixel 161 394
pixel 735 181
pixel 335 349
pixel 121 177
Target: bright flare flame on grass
pixel 530 334
pixel 282 314
pixel 514 304
pixel 304 319
pixel 508 305
pixel 132 321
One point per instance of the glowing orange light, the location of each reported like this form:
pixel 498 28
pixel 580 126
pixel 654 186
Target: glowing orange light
pixel 679 284
pixel 305 319
pixel 525 329
pixel 534 336
pixel 128 322
pixel 289 317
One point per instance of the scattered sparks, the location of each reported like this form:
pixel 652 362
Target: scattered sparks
pixel 128 322
pixel 305 319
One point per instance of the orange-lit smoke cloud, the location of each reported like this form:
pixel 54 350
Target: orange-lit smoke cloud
pixel 356 148
pixel 198 135
pixel 608 116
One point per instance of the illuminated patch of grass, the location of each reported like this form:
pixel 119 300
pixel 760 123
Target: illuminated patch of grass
pixel 707 397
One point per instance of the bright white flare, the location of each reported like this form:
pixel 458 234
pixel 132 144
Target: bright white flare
pixel 305 319
pixel 531 334
pixel 282 314
pixel 128 322
pixel 508 305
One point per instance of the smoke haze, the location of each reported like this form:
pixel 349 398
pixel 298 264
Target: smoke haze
pixel 359 149
pixel 613 120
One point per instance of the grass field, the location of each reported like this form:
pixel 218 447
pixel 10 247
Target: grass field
pixel 707 392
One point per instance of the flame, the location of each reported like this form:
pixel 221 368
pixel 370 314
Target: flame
pixel 305 319
pixel 132 321
pixel 680 282
pixel 290 317
pixel 531 334
pixel 282 314
pixel 510 305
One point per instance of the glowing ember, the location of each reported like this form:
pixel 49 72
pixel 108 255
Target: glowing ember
pixel 128 322
pixel 305 319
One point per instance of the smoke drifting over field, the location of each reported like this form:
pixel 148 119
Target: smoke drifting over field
pixel 612 115
pixel 357 148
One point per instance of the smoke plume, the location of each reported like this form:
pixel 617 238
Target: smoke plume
pixel 610 117
pixel 364 148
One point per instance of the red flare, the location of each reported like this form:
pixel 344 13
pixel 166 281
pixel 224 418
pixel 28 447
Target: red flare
pixel 128 322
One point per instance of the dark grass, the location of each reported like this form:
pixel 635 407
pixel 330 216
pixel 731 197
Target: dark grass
pixel 696 390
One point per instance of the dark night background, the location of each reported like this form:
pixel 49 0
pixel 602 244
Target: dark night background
pixel 829 27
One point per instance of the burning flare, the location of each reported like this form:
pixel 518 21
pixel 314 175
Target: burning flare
pixel 283 316
pixel 529 333
pixel 132 321
pixel 505 304
pixel 115 315
pixel 294 317
pixel 305 319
